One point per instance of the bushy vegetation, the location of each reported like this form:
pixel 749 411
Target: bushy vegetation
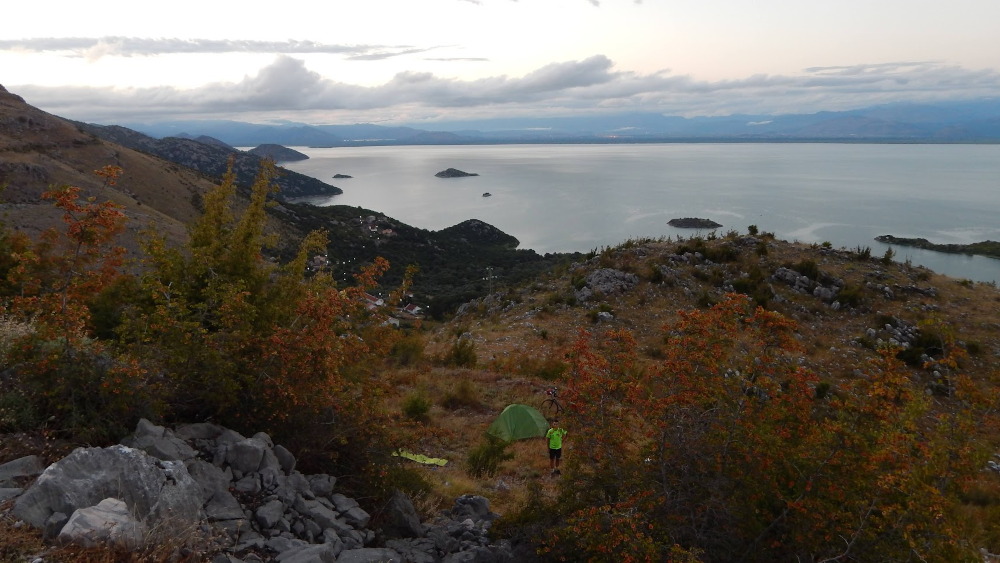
pixel 720 442
pixel 484 460
pixel 733 451
pixel 213 331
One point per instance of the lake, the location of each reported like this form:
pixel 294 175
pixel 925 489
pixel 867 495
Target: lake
pixel 558 198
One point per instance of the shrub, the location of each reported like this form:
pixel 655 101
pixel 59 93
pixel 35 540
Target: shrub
pixel 851 295
pixel 462 394
pixel 408 350
pixel 484 460
pixel 462 354
pixel 17 413
pixel 722 253
pixel 888 256
pixel 807 268
pixel 416 406
pixel 705 300
pixel 761 248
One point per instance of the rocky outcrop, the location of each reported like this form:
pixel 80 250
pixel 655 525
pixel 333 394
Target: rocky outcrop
pixel 606 281
pixel 693 223
pixel 162 493
pixel 454 173
pixel 204 481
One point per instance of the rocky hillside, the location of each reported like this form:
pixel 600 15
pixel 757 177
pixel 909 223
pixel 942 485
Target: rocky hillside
pixel 212 159
pixel 39 150
pixel 847 303
pixel 162 186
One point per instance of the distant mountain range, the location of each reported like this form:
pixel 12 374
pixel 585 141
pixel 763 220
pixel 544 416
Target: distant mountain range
pixel 975 121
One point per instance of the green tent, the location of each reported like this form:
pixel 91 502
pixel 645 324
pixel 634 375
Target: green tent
pixel 518 422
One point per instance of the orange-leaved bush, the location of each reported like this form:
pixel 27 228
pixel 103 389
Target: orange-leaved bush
pixel 256 345
pixel 68 380
pixel 724 451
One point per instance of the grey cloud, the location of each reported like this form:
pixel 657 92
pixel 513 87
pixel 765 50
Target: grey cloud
pixel 457 59
pixel 854 70
pixel 133 46
pixel 381 54
pixel 288 89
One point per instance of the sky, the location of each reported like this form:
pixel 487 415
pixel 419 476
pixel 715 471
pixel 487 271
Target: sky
pixel 419 62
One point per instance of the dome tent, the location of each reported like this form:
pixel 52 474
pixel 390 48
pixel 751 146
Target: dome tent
pixel 518 422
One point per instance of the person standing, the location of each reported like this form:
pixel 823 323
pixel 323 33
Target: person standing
pixel 555 438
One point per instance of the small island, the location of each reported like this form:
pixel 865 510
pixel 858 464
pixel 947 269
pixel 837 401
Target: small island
pixel 341 176
pixel 693 223
pixel 988 248
pixel 454 173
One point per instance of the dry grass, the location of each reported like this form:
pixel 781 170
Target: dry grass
pixel 19 542
pixel 520 337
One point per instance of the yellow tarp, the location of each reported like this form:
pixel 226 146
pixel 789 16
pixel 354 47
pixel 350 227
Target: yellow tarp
pixel 420 458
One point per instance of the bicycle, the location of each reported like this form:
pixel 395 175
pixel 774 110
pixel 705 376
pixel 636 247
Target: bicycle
pixel 551 406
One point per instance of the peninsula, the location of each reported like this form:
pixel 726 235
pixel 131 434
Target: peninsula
pixel 985 248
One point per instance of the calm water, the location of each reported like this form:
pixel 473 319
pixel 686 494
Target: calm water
pixel 557 198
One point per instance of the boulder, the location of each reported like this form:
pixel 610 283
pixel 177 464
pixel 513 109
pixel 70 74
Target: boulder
pixel 606 281
pixel 16 473
pixel 160 493
pixel 401 518
pixel 158 442
pixel 110 521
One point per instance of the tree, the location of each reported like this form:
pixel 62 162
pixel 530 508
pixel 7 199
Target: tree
pixel 256 345
pixel 70 380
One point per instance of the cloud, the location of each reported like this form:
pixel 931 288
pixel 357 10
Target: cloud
pixel 94 48
pixel 287 89
pixel 457 59
pixel 382 54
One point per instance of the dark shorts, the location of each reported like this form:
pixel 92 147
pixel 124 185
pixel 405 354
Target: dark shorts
pixel 555 453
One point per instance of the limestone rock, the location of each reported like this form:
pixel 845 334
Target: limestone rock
pixel 15 473
pixel 108 522
pixel 158 492
pixel 402 520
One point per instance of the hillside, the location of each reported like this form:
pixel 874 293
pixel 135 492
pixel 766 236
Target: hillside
pixel 212 159
pixel 729 397
pixel 158 190
pixel 39 150
pixel 845 306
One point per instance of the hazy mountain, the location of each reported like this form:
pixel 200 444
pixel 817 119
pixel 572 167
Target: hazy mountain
pixel 966 121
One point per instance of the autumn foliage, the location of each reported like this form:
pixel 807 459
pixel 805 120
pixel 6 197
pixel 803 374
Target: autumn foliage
pixel 726 451
pixel 216 330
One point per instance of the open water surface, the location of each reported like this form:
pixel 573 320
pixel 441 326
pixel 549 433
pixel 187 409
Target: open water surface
pixel 557 198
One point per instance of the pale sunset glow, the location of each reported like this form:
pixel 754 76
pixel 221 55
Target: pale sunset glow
pixel 400 61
